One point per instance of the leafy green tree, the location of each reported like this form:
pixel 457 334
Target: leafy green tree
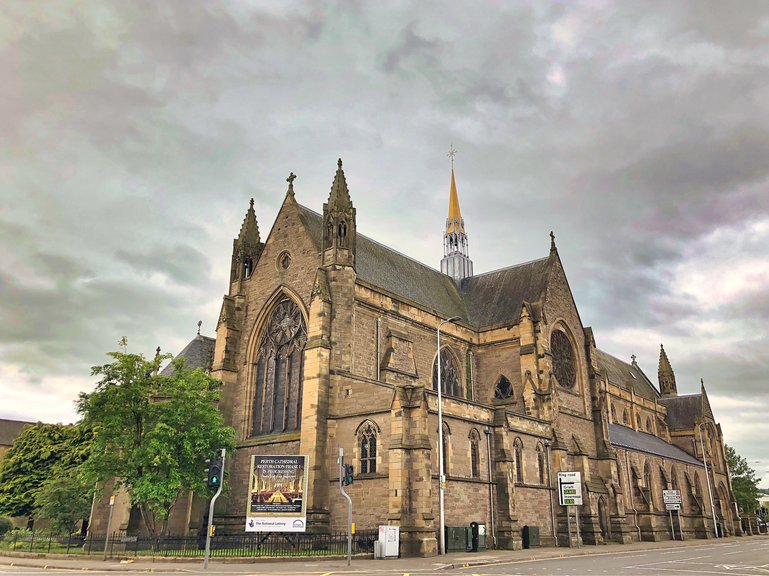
pixel 744 481
pixel 36 453
pixel 64 499
pixel 152 433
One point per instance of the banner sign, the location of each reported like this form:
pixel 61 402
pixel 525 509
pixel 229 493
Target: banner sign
pixel 276 494
pixel 570 488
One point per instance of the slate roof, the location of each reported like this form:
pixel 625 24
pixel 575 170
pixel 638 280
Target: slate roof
pixel 197 354
pixel 10 429
pixel 626 376
pixel 483 301
pixel 682 410
pixel 624 437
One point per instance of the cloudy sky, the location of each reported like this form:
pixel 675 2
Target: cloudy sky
pixel 134 134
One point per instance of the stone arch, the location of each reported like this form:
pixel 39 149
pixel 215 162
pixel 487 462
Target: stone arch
pixel 451 378
pixel 276 351
pixel 638 422
pixel 367 446
pixel 446 447
pixel 648 424
pixel 604 522
pixel 518 460
pixel 475 453
pixel 614 418
pixel 625 417
pixel 649 485
pixel 503 389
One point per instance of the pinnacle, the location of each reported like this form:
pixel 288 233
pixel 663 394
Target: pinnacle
pixel 340 195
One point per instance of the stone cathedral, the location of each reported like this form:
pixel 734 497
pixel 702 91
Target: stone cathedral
pixel 327 339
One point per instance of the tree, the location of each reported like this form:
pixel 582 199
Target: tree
pixel 152 433
pixel 35 454
pixel 744 481
pixel 64 499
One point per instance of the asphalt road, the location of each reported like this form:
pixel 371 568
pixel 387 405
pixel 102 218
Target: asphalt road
pixel 732 557
pixel 747 557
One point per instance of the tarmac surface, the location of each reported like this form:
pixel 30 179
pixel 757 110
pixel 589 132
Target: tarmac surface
pixel 321 566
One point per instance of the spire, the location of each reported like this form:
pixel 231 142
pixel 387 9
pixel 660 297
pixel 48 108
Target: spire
pixel 665 375
pixel 456 262
pixel 340 195
pixel 246 247
pixel 339 230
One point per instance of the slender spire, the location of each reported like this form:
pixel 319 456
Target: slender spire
pixel 665 375
pixel 456 262
pixel 249 230
pixel 339 223
pixel 246 247
pixel 340 195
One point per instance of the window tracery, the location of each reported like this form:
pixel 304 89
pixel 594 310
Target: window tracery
pixel 503 390
pixel 279 365
pixel 449 374
pixel 564 364
pixel 367 441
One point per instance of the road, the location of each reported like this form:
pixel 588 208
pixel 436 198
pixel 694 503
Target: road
pixel 734 557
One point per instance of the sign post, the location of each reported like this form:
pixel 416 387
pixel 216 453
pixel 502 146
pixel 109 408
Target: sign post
pixel 570 494
pixel 672 500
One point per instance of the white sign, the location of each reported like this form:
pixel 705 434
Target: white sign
pixel 276 494
pixel 672 506
pixel 671 497
pixel 570 488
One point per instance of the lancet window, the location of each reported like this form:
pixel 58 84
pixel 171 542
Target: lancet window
pixel 475 468
pixel 518 455
pixel 449 374
pixel 503 390
pixel 367 441
pixel 279 365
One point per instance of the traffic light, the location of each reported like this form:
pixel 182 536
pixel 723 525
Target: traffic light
pixel 214 472
pixel 348 475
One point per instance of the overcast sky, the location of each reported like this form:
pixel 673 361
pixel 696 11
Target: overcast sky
pixel 134 134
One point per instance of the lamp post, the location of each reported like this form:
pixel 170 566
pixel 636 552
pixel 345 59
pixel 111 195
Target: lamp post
pixel 707 479
pixel 441 471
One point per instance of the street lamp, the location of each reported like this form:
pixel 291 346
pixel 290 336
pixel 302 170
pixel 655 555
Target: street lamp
pixel 441 471
pixel 707 479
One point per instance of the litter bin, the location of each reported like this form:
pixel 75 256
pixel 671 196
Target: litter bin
pixel 477 536
pixel 530 536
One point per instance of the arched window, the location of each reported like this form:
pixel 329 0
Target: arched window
pixel 475 463
pixel 367 442
pixel 446 444
pixel 638 421
pixel 649 486
pixel 503 390
pixel 564 361
pixel 648 425
pixel 449 374
pixel 541 465
pixel 518 454
pixel 279 365
pixel 614 414
pixel 625 417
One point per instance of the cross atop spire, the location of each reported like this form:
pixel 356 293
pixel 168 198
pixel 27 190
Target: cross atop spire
pixel 451 154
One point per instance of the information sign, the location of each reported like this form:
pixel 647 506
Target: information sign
pixel 570 488
pixel 672 506
pixel 277 494
pixel 671 497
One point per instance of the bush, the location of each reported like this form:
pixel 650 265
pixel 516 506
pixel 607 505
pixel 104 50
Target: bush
pixel 6 524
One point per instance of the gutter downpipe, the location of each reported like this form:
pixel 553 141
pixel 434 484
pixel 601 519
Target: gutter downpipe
pixel 491 488
pixel 707 478
pixel 630 493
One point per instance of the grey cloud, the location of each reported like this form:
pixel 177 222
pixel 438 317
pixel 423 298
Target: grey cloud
pixel 182 264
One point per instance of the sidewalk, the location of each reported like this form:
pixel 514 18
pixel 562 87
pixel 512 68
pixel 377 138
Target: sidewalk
pixel 319 564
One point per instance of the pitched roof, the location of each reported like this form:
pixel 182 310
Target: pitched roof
pixel 483 301
pixel 626 376
pixel 197 354
pixel 624 437
pixel 10 429
pixel 682 410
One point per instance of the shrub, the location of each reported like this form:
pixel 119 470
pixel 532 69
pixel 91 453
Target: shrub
pixel 6 524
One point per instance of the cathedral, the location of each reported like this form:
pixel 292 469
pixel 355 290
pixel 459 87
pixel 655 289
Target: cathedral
pixel 328 340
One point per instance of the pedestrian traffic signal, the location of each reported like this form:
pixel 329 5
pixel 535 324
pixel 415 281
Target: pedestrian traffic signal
pixel 214 472
pixel 348 475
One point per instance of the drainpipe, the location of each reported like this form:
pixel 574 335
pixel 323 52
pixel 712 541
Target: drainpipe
pixel 550 493
pixel 487 431
pixel 378 359
pixel 630 493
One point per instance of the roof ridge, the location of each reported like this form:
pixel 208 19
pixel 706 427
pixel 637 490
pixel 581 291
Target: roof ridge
pixel 508 268
pixel 359 235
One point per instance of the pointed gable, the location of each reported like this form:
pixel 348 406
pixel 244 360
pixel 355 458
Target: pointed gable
pixel 626 376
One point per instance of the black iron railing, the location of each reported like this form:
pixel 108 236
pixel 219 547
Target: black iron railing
pixel 226 545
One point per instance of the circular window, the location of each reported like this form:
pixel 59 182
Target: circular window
pixel 284 260
pixel 563 359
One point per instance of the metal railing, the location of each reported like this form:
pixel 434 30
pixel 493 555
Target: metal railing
pixel 226 545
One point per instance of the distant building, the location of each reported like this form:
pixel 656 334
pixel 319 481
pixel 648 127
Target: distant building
pixel 9 431
pixel 327 339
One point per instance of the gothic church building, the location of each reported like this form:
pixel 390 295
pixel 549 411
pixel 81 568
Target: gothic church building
pixel 327 339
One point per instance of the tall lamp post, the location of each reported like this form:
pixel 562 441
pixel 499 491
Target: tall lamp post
pixel 441 471
pixel 707 479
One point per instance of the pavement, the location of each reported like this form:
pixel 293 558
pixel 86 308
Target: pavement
pixel 359 564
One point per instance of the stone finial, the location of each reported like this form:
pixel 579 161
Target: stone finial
pixel 290 180
pixel 552 240
pixel 200 323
